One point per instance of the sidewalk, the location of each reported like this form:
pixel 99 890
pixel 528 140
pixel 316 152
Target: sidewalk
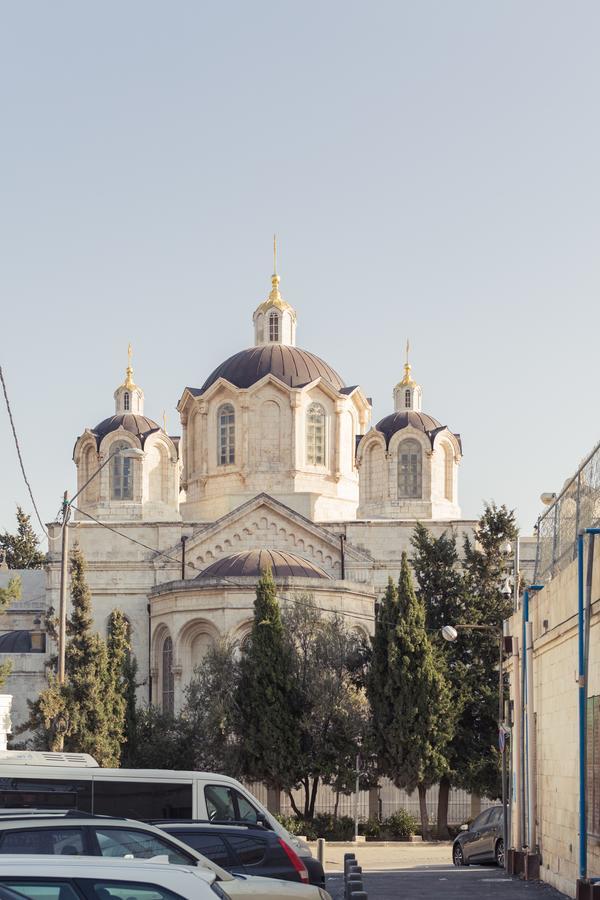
pixel 377 856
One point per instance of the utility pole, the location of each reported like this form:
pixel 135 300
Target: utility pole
pixel 64 570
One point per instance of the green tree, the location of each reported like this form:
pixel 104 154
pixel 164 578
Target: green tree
pixel 118 646
pixel 210 710
pixel 442 590
pixel 162 741
pixel 84 714
pixel 333 709
pixel 410 700
pixel 22 549
pixel 266 706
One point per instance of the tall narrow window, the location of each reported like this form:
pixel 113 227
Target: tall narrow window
pixel 126 401
pixel 168 679
pixel 273 327
pixel 121 474
pixel 315 435
pixel 226 435
pixel 407 398
pixel 409 470
pixel 448 472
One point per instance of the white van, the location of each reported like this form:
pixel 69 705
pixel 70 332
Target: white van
pixel 45 780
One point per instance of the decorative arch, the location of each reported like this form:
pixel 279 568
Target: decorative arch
pixel 195 638
pixel 89 465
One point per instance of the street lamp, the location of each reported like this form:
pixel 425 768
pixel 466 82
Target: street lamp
pixel 125 453
pixel 450 633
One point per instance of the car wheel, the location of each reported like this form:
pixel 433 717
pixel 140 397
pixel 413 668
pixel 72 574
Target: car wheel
pixel 499 853
pixel 458 857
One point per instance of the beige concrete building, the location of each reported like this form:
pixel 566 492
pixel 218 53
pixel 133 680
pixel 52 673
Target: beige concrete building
pixel 277 463
pixel 545 817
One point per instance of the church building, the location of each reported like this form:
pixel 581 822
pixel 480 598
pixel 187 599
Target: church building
pixel 277 465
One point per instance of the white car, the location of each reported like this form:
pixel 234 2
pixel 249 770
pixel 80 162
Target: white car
pixel 96 878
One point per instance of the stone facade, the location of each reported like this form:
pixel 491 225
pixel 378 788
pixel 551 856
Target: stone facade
pixel 553 613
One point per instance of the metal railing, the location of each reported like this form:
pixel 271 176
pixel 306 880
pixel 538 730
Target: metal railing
pixel 576 507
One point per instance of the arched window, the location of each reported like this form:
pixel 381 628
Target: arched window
pixel 226 436
pixel 273 327
pixel 315 435
pixel 126 399
pixel 168 679
pixel 121 474
pixel 410 470
pixel 448 472
pixel 407 398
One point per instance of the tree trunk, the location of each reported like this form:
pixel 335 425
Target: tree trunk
pixel 306 784
pixel 293 805
pixel 425 831
pixel 313 796
pixel 336 806
pixel 442 810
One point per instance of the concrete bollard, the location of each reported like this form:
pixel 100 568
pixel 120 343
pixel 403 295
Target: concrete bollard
pixel 321 850
pixel 354 887
pixel 360 895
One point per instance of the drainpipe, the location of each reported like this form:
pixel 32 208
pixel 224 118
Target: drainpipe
pixel 516 745
pixel 582 663
pixel 342 556
pixel 526 718
pixel 531 742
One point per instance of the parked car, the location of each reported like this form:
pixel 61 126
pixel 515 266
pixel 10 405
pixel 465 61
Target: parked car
pixel 241 847
pixel 73 835
pixel 482 840
pixel 82 878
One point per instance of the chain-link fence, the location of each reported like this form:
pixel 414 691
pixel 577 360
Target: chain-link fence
pixel 576 507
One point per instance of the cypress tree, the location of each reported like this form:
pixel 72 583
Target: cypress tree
pixel 410 702
pixel 83 715
pixel 11 592
pixel 265 702
pixel 22 549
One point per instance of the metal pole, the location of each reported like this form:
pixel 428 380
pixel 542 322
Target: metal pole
pixel 356 798
pixel 531 767
pixel 582 713
pixel 502 737
pixel 342 557
pixel 516 742
pixel 183 543
pixel 525 774
pixel 64 571
pixel 516 562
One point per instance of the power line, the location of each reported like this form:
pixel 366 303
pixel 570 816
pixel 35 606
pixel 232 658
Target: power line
pixel 228 581
pixel 14 431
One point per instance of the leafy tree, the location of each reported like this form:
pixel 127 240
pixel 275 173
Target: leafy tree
pixel 118 646
pixel 162 741
pixel 410 700
pixel 333 709
pixel 266 705
pixel 84 714
pixel 210 710
pixel 468 592
pixel 22 549
pixel 11 592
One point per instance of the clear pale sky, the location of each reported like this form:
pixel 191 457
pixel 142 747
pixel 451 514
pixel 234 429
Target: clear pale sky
pixel 431 170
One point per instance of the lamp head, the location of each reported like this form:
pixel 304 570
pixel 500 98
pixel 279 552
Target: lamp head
pixel 131 453
pixel 449 633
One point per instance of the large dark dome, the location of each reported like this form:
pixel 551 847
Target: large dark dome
pixel 135 424
pixel 397 421
pixel 254 562
pixel 291 365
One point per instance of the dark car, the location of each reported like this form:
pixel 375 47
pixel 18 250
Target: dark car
pixel 246 849
pixel 482 840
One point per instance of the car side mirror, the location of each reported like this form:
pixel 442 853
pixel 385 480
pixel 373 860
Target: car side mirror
pixel 261 819
pixel 464 827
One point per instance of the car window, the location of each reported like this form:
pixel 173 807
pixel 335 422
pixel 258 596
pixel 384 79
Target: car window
pixel 127 842
pixel 209 845
pixel 246 811
pixel 496 816
pixel 219 802
pixel 481 820
pixel 42 888
pixel 61 841
pixel 250 851
pixel 128 890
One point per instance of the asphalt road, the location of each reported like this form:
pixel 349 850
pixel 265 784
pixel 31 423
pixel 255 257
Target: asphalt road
pixel 473 883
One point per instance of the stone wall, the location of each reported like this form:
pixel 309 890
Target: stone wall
pixel 553 613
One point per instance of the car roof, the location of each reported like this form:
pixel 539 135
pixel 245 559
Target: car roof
pixel 234 828
pixel 49 820
pixel 95 865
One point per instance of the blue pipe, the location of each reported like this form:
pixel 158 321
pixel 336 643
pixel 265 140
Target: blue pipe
pixel 582 703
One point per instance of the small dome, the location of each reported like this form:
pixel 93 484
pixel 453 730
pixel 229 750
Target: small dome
pixel 291 365
pixel 399 420
pixel 15 642
pixel 254 562
pixel 135 424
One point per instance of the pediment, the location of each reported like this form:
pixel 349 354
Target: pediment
pixel 266 522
